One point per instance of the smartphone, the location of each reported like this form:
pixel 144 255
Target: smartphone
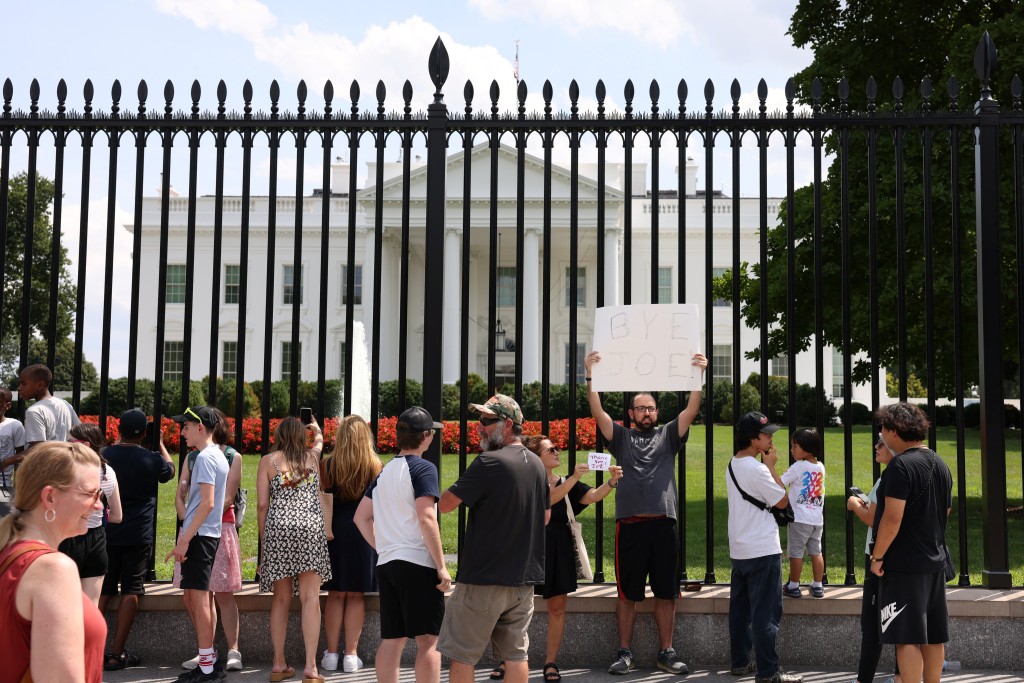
pixel 306 415
pixel 854 491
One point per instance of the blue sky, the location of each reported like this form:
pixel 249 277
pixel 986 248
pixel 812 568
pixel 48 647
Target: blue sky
pixel 316 40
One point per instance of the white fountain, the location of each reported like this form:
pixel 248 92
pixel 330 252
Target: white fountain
pixel 360 381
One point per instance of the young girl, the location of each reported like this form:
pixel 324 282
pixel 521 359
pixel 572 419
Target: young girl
pixel 805 481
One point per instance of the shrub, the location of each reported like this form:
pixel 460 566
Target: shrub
pixel 972 415
pixel 750 399
pixel 387 392
pixel 807 398
pixel 226 399
pixel 1011 416
pixel 861 414
pixel 117 397
pixel 945 416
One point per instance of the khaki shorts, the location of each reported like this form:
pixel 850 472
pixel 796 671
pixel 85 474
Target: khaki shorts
pixel 476 615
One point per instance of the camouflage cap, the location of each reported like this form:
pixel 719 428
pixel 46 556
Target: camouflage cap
pixel 500 405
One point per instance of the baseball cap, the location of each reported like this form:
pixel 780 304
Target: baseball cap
pixel 132 423
pixel 754 422
pixel 204 415
pixel 500 405
pixel 418 420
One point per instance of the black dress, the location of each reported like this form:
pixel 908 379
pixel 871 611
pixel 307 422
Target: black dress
pixel 353 561
pixel 559 559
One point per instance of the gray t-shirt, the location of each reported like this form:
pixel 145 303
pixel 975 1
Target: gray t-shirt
pixel 211 467
pixel 49 420
pixel 648 484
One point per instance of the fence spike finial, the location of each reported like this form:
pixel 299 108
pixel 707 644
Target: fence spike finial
pixel 353 94
pixel 33 93
pixel 521 92
pixel 275 97
pixel 986 58
pixel 247 99
pixel 467 94
pixel 1015 92
pixel 574 99
pixel 495 91
pixel 62 96
pixel 222 96
pixel 407 99
pixel 600 92
pixel 682 91
pixel 87 94
pixel 734 93
pixel 548 93
pixel 627 92
pixel 8 95
pixel 709 97
pixel 438 66
pixel 328 98
pixel 300 94
pixel 762 98
pixel 143 94
pixel 381 93
pixel 197 91
pixel 115 99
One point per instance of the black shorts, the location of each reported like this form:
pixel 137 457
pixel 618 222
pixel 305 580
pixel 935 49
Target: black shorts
pixel 410 603
pixel 127 565
pixel 89 551
pixel 195 570
pixel 646 547
pixel 912 609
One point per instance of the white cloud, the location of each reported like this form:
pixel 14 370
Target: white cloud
pixel 655 21
pixel 248 18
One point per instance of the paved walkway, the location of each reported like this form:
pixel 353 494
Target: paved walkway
pixel 701 674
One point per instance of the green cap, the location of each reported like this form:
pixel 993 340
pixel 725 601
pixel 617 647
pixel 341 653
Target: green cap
pixel 500 405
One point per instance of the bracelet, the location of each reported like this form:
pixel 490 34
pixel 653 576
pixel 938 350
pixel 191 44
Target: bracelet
pixel 613 486
pixel 876 559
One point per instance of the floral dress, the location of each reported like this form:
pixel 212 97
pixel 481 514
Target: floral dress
pixel 294 540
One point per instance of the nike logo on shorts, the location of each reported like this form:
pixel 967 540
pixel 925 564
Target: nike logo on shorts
pixel 889 613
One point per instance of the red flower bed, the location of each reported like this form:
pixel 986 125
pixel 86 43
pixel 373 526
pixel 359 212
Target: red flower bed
pixel 252 432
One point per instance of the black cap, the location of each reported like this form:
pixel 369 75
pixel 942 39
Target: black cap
pixel 132 423
pixel 418 420
pixel 203 415
pixel 754 422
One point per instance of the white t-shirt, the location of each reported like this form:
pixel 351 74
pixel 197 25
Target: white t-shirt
pixel 872 498
pixel 49 420
pixel 12 436
pixel 805 482
pixel 396 527
pixel 752 531
pixel 108 481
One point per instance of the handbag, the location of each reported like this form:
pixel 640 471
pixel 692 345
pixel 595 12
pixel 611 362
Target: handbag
pixel 583 570
pixel 240 504
pixel 782 516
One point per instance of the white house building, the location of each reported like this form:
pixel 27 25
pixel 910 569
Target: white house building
pixel 306 283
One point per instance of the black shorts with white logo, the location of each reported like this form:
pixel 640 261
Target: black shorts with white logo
pixel 410 603
pixel 912 609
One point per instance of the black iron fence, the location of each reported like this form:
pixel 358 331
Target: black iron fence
pixel 454 284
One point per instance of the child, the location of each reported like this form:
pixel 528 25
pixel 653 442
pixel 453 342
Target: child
pixel 12 442
pixel 805 481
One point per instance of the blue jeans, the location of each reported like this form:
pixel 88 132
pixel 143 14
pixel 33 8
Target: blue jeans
pixel 755 610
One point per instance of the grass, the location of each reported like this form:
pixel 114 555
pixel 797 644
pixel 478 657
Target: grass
pixel 696 509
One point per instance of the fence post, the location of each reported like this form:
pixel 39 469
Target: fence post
pixel 433 260
pixel 990 355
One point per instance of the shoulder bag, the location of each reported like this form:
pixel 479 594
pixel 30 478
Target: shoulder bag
pixel 948 569
pixel 783 516
pixel 583 570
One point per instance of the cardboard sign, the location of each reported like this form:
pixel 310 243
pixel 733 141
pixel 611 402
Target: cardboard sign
pixel 599 461
pixel 647 347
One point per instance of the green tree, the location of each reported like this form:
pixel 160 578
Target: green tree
pixel 886 39
pixel 13 326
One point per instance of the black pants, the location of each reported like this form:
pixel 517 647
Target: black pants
pixel 870 639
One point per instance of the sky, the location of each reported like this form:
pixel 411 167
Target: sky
pixel 316 40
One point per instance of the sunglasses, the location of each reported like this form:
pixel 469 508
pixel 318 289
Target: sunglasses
pixel 552 450
pixel 191 413
pixel 488 421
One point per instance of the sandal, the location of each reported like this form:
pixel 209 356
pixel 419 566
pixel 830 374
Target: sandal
pixel 115 662
pixel 554 674
pixel 498 673
pixel 276 676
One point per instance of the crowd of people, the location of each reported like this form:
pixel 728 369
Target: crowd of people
pixel 81 521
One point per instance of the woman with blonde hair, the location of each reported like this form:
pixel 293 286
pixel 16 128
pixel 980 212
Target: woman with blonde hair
pixel 41 598
pixel 293 542
pixel 347 473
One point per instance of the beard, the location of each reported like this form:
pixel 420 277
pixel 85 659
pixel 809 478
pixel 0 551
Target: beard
pixel 493 441
pixel 646 424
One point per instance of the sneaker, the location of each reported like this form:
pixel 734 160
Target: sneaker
pixel 329 661
pixel 669 661
pixel 781 677
pixel 234 661
pixel 624 664
pixel 818 591
pixel 350 663
pixel 748 668
pixel 792 592
pixel 197 676
pixel 190 664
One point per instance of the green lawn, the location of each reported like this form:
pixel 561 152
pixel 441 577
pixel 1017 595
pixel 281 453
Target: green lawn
pixel 696 508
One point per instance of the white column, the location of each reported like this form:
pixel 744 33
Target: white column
pixel 367 235
pixel 611 266
pixel 529 336
pixel 452 292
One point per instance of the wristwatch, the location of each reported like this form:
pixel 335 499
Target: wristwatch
pixel 875 559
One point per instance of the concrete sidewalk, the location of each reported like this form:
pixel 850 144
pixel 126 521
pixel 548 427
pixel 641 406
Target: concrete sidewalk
pixel 154 673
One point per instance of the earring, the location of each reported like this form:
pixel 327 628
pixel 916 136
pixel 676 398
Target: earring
pixel 50 515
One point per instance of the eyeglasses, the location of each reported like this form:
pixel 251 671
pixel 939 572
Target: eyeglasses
pixel 488 421
pixel 645 409
pixel 552 450
pixel 95 495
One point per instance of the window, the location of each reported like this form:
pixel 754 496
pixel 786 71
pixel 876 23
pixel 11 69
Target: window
pixel 175 292
pixel 286 361
pixel 506 286
pixel 174 360
pixel 721 362
pixel 664 286
pixel 341 365
pixel 581 352
pixel 837 373
pixel 229 359
pixel 232 284
pixel 717 273
pixel 581 288
pixel 780 366
pixel 357 291
pixel 288 284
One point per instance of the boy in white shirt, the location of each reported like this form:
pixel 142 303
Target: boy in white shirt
pixel 12 442
pixel 805 482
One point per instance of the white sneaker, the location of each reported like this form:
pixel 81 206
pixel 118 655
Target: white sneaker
pixel 330 661
pixel 351 663
pixel 190 664
pixel 234 661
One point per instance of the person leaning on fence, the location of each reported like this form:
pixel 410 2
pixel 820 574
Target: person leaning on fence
pixel 755 590
pixel 506 491
pixel 12 443
pixel 914 501
pixel 646 539
pixel 140 472
pixel 49 418
pixel 397 517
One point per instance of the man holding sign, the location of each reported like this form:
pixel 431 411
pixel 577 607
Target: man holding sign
pixel 646 541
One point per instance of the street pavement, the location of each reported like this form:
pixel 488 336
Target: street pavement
pixel 157 673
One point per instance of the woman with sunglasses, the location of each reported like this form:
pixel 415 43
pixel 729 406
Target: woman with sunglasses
pixel 49 629
pixel 89 551
pixel 559 557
